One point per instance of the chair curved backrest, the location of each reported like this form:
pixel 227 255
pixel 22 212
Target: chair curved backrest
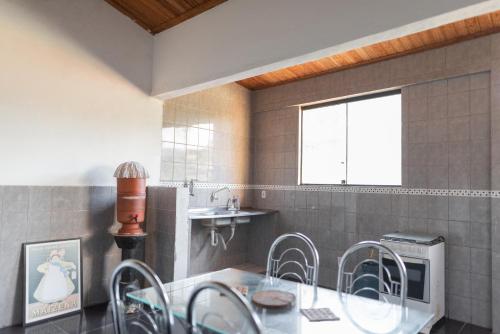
pixel 278 265
pixel 235 297
pixel 137 319
pixel 355 278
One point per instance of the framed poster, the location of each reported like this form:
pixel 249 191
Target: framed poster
pixel 52 279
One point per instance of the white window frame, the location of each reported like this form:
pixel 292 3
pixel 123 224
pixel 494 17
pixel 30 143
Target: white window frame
pixel 335 102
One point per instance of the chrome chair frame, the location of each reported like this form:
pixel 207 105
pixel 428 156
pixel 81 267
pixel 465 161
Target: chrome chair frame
pixel 234 296
pixel 156 284
pixel 310 272
pixel 392 289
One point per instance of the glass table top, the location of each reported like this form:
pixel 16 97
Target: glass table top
pixel 357 314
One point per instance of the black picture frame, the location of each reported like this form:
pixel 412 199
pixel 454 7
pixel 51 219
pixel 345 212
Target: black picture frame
pixel 48 311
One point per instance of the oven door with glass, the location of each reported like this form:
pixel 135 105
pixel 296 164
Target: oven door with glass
pixel 418 276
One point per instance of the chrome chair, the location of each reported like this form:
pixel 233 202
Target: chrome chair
pixel 130 316
pixel 248 321
pixel 293 262
pixel 385 284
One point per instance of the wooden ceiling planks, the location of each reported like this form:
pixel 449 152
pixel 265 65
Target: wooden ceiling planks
pixel 158 15
pixel 424 40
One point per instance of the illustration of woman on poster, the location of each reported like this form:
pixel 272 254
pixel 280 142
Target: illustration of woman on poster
pixel 56 283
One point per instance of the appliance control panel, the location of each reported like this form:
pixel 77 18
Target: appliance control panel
pixel 408 249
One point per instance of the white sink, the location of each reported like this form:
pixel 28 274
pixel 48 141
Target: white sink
pixel 220 217
pixel 222 212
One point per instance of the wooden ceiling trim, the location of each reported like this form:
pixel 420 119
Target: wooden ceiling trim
pixel 432 38
pixel 496 18
pixel 158 15
pixel 173 7
pixel 154 10
pixel 146 13
pixel 187 15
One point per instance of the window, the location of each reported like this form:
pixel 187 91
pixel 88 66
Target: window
pixel 355 141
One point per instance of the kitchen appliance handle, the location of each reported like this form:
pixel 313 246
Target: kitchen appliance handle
pixel 408 259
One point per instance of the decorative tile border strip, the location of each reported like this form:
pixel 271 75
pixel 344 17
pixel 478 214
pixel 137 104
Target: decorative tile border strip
pixel 205 185
pixel 346 189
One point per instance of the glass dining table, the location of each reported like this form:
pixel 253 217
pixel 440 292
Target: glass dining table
pixel 356 314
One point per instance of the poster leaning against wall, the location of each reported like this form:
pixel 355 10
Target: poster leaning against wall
pixel 52 279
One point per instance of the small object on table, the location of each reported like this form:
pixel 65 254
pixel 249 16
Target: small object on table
pixel 273 299
pixel 319 314
pixel 243 289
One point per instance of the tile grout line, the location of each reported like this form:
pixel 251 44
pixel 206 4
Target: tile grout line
pixel 62 330
pixel 462 328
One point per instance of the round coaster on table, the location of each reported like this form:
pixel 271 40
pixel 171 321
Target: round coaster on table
pixel 273 299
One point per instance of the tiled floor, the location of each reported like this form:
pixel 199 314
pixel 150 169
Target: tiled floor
pixel 447 326
pixel 98 319
pixel 93 320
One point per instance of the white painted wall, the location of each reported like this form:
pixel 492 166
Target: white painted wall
pixel 243 38
pixel 75 78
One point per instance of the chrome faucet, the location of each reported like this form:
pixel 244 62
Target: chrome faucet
pixel 233 204
pixel 190 186
pixel 213 196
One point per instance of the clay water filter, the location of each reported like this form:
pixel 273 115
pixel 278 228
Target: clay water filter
pixel 131 197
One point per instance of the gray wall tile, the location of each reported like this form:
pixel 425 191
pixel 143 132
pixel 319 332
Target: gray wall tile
pixel 438 176
pixel 480 176
pixel 40 199
pixel 459 308
pixel 481 262
pixel 418 207
pixel 437 207
pixel 325 199
pixel 459 177
pixel 459 233
pixel 15 198
pixel 480 210
pixel 38 226
pixel 446 145
pixel 458 258
pixel 481 313
pixel 480 236
pixel 14 225
pixel 459 208
pixel 312 199
pixel 300 200
pixel 495 301
pixel 30 215
pixel 459 283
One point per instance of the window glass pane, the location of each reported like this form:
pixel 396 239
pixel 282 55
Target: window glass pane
pixel 374 141
pixel 324 144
